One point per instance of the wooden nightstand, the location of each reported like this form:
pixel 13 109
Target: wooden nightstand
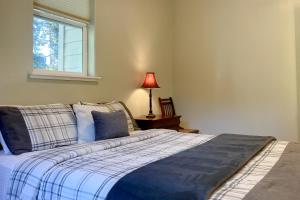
pixel 158 122
pixel 162 122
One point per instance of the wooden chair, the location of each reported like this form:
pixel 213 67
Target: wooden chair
pixel 167 107
pixel 168 110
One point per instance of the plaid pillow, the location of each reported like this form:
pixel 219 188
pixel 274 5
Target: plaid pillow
pixel 33 128
pixel 115 106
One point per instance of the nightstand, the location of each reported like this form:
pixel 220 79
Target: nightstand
pixel 172 122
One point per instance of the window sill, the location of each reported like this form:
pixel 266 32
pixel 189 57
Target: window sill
pixel 64 77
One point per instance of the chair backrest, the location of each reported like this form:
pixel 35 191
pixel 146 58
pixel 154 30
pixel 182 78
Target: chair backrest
pixel 167 107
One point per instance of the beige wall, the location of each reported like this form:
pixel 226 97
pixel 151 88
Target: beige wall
pixel 134 36
pixel 131 38
pixel 297 42
pixel 235 66
pixel 234 61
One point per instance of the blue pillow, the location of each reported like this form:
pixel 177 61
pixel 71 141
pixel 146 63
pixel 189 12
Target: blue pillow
pixel 110 125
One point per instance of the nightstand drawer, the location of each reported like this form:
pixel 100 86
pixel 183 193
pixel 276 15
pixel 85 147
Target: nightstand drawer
pixel 159 122
pixel 167 123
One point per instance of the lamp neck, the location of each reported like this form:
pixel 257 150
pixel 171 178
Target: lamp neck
pixel 150 115
pixel 150 101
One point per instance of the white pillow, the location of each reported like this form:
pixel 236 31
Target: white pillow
pixel 85 121
pixel 4 146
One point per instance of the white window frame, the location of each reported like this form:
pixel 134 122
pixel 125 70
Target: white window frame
pixel 47 74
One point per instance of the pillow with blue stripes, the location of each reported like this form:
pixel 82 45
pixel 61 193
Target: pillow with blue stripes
pixel 114 106
pixel 40 127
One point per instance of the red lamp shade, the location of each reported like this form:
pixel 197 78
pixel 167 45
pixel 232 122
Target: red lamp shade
pixel 150 81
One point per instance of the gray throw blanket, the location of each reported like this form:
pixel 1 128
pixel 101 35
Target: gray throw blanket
pixel 283 181
pixel 191 174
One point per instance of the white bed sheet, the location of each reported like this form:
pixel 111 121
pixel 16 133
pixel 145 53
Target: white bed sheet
pixel 7 165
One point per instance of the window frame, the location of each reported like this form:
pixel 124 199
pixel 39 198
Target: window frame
pixel 68 20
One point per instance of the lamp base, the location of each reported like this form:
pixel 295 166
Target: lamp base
pixel 150 115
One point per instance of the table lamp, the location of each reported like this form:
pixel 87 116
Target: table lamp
pixel 150 82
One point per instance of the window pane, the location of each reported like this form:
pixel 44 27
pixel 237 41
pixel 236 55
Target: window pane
pixel 73 49
pixel 45 44
pixel 57 46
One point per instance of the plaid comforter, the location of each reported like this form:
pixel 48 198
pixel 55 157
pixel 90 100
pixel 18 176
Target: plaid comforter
pixel 89 171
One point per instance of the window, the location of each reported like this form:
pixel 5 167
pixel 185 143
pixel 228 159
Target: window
pixel 59 45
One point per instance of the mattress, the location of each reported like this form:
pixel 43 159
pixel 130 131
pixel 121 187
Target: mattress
pixel 7 165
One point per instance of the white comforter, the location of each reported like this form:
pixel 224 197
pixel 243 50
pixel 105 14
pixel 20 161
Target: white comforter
pixel 88 171
pixel 7 164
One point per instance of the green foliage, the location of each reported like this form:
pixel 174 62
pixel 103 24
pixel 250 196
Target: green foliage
pixel 45 39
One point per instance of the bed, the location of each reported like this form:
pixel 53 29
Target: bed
pixel 74 177
pixel 151 164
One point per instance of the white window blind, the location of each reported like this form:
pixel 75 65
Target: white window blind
pixel 74 8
